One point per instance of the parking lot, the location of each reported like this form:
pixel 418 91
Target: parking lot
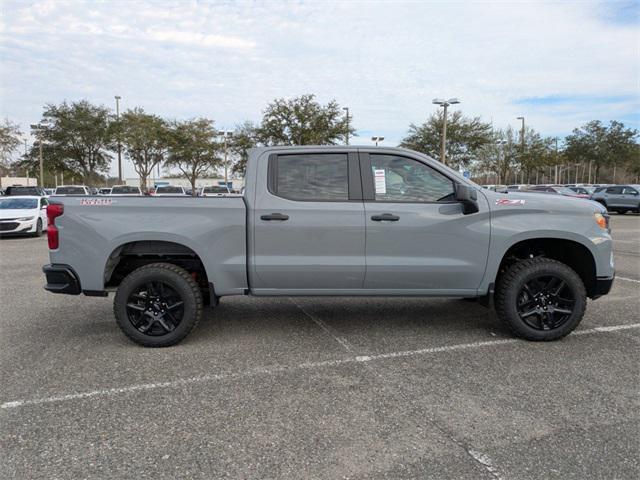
pixel 317 387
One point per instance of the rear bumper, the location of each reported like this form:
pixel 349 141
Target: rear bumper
pixel 603 286
pixel 61 279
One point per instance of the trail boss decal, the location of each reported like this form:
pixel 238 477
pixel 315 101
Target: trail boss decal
pixel 95 201
pixel 506 201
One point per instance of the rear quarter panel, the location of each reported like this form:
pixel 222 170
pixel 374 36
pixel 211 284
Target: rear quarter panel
pixel 213 227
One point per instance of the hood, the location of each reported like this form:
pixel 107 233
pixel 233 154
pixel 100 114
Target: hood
pixel 542 201
pixel 18 213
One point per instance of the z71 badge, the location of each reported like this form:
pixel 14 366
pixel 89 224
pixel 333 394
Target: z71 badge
pixel 95 201
pixel 507 201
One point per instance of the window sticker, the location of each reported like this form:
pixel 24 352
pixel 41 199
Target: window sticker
pixel 380 181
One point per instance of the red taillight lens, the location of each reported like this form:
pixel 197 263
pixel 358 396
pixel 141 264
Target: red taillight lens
pixel 53 210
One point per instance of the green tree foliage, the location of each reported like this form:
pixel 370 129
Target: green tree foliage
pixel 303 121
pixel 499 156
pixel 538 153
pixel 245 137
pixel 144 138
pixel 465 137
pixel 80 133
pixel 9 142
pixel 193 149
pixel 602 145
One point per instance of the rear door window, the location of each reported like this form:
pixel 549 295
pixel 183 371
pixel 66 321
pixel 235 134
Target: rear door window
pixel 310 177
pixel 614 190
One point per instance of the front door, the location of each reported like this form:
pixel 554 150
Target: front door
pixel 308 225
pixel 418 237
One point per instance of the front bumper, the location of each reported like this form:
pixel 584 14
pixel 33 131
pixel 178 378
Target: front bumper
pixel 603 286
pixel 61 279
pixel 13 227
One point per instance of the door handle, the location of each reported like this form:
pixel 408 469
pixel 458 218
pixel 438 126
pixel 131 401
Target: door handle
pixel 386 217
pixel 275 216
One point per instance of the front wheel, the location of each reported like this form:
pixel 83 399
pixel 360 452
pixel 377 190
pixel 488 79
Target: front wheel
pixel 540 299
pixel 38 232
pixel 158 304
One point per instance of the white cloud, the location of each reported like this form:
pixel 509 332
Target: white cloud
pixel 385 60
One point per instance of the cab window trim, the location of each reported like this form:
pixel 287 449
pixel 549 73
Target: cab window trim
pixel 368 185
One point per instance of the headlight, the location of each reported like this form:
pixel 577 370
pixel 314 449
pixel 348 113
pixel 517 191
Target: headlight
pixel 602 220
pixel 26 219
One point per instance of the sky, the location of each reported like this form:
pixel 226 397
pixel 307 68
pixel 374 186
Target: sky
pixel 558 64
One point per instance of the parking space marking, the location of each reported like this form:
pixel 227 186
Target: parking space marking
pixel 628 279
pixel 485 461
pixel 327 329
pixel 285 369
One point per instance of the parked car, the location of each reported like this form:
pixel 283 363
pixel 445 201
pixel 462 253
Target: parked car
pixel 104 191
pixel 214 191
pixel 23 215
pixel 64 190
pixel 118 190
pixel 519 187
pixel 582 191
pixel 335 221
pixel 619 198
pixel 557 190
pixel 25 191
pixel 169 191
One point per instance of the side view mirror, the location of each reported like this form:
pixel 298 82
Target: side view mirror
pixel 468 197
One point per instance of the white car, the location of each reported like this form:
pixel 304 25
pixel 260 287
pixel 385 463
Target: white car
pixel 23 214
pixel 215 191
pixel 105 191
pixel 169 191
pixel 64 190
pixel 119 190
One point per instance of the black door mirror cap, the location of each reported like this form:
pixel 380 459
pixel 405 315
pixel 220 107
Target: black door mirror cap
pixel 468 197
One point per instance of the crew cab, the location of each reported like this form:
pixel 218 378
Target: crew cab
pixel 334 221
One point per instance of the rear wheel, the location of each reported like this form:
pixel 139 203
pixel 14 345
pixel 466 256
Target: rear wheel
pixel 158 304
pixel 540 299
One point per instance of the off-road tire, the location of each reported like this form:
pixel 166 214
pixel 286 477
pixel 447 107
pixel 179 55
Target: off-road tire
pixel 181 281
pixel 513 280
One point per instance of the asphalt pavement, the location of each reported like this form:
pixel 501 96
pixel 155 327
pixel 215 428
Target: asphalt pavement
pixel 327 388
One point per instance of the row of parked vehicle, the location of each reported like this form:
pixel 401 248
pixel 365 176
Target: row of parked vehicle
pixel 617 198
pixel 122 190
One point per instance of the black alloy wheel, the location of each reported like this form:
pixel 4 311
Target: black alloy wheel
pixel 155 308
pixel 545 302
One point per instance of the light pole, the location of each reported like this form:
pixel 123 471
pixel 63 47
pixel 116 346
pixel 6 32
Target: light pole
pixel 377 139
pixel 225 134
pixel 346 109
pixel 118 97
pixel 501 143
pixel 522 147
pixel 37 128
pixel 444 104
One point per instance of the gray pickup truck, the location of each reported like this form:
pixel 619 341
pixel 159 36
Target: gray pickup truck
pixel 334 221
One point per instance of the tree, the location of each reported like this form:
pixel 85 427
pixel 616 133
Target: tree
pixel 193 149
pixel 9 142
pixel 80 133
pixel 602 145
pixel 465 136
pixel 499 155
pixel 144 138
pixel 303 121
pixel 537 154
pixel 245 137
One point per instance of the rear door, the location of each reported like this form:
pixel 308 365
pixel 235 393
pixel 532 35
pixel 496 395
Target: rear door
pixel 417 235
pixel 308 224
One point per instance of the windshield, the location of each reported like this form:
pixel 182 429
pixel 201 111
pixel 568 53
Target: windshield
pixel 70 191
pixel 169 190
pixel 18 203
pixel 216 190
pixel 125 189
pixel 564 191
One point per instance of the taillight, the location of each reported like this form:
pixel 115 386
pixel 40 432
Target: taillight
pixel 53 210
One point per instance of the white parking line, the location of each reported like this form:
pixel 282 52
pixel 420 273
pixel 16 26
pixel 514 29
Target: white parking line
pixel 628 279
pixel 283 369
pixel 485 461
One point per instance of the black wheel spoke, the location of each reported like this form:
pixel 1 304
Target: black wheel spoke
pixel 540 305
pixel 154 308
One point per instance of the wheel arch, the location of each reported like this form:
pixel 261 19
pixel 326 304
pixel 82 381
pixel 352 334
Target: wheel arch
pixel 570 252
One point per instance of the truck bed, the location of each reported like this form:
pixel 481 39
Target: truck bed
pixel 93 229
